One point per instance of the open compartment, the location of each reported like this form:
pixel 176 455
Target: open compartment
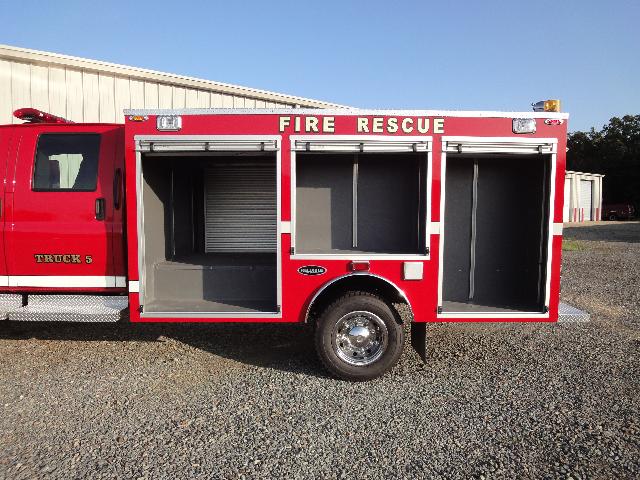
pixel 496 217
pixel 209 233
pixel 360 203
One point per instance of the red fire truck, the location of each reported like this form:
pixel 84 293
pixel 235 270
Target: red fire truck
pixel 329 217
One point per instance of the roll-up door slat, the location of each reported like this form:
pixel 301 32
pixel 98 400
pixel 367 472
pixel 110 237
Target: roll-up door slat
pixel 498 147
pixel 240 208
pixel 203 145
pixel 365 145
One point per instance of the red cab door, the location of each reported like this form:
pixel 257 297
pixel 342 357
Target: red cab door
pixel 65 200
pixel 7 153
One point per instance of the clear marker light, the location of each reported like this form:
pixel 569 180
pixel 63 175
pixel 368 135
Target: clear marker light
pixel 524 125
pixel 169 122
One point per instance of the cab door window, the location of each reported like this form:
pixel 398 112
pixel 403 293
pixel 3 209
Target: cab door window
pixel 66 162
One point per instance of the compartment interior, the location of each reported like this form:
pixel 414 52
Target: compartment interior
pixel 210 236
pixel 495 233
pixel 360 203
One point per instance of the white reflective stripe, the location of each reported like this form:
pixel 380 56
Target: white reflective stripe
pixel 434 228
pixel 121 282
pixel 54 281
pixel 285 227
pixel 134 286
pixel 557 228
pixel 4 281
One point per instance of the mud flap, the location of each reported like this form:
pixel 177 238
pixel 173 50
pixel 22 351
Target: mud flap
pixel 419 339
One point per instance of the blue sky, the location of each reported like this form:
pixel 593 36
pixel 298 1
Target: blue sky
pixel 492 55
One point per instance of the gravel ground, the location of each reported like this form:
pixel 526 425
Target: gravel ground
pixel 240 401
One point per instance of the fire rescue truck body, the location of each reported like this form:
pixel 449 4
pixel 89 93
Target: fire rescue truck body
pixel 330 217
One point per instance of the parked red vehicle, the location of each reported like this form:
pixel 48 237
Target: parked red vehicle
pixel 329 217
pixel 618 211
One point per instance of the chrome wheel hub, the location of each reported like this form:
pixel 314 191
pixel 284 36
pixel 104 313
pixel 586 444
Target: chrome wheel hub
pixel 360 338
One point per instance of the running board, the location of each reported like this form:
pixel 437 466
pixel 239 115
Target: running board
pixel 569 314
pixel 71 308
pixel 9 302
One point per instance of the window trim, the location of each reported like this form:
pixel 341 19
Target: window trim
pixel 65 190
pixel 371 140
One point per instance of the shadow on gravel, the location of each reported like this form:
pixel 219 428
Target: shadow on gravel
pixel 285 347
pixel 627 232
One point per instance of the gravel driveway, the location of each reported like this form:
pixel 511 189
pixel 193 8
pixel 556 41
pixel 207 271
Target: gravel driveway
pixel 240 401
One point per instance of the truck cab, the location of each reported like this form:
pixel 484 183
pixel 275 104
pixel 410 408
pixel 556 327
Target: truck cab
pixel 62 210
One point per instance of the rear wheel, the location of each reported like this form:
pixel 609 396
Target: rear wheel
pixel 358 337
pixel 613 217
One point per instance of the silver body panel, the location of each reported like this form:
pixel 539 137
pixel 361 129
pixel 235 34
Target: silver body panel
pixel 571 314
pixel 9 302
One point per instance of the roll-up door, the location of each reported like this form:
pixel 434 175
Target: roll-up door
pixel 566 217
pixel 240 203
pixel 586 199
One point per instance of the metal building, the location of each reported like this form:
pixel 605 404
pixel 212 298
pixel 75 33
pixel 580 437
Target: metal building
pixel 582 197
pixel 85 90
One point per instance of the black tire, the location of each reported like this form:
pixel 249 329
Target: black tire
pixel 613 217
pixel 361 308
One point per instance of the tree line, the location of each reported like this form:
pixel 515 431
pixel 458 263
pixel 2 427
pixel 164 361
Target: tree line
pixel 613 151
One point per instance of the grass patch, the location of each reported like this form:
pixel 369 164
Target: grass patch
pixel 573 246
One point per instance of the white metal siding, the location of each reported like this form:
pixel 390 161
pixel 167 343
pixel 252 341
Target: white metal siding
pixel 240 208
pixel 586 198
pixel 90 91
pixel 88 96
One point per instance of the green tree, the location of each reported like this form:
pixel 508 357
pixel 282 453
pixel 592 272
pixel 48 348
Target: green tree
pixel 613 151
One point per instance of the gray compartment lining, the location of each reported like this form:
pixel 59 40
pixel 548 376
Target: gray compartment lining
pixel 178 272
pixel 501 262
pixel 381 197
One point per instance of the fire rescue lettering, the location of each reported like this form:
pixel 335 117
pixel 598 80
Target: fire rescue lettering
pixel 61 258
pixel 391 125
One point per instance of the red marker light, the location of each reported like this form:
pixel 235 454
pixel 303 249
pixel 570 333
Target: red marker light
pixel 359 266
pixel 32 115
pixel 554 121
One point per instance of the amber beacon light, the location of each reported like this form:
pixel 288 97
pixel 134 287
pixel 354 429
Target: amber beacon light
pixel 546 106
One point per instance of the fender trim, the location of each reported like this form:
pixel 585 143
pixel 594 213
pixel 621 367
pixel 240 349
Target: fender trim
pixel 349 275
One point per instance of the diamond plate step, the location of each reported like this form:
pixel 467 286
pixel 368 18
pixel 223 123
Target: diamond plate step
pixel 568 314
pixel 9 302
pixel 71 308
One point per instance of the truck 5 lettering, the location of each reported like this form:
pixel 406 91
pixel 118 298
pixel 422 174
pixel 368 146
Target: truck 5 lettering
pixel 326 217
pixel 61 258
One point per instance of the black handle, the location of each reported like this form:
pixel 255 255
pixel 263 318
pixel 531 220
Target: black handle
pixel 117 191
pixel 100 208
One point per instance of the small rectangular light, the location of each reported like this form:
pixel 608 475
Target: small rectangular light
pixel 169 122
pixel 359 266
pixel 412 270
pixel 524 125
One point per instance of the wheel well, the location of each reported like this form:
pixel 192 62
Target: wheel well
pixel 384 289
